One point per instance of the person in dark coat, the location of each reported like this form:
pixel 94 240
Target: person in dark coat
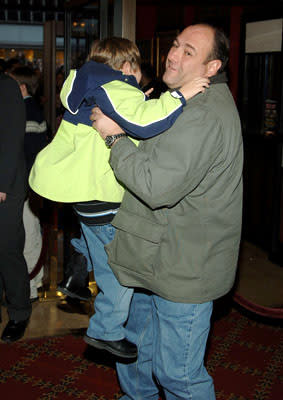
pixel 35 140
pixel 14 279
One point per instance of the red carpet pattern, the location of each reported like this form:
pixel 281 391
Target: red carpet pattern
pixel 245 358
pixel 54 368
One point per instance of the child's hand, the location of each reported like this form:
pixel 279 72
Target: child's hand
pixel 149 91
pixel 194 87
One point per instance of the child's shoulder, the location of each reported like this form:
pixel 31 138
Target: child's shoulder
pixel 101 74
pixel 100 70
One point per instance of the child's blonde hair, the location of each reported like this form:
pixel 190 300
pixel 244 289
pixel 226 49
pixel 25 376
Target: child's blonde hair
pixel 115 52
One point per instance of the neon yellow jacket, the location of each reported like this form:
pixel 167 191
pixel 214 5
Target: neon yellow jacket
pixel 74 167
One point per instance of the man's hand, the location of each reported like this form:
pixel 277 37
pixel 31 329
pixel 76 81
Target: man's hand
pixel 3 197
pixel 104 125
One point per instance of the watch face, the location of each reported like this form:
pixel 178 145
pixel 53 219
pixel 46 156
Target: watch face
pixel 109 140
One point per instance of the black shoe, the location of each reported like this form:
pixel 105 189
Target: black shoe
pixel 14 330
pixel 75 282
pixel 120 348
pixel 70 288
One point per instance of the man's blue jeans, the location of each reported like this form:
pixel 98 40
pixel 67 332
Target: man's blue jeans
pixel 113 300
pixel 171 340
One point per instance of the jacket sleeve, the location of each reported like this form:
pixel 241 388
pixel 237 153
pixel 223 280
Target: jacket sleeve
pixel 12 118
pixel 173 163
pixel 127 106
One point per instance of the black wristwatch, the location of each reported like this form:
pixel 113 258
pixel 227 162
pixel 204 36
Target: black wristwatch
pixel 109 140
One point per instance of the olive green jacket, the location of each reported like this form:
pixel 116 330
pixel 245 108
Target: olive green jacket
pixel 179 225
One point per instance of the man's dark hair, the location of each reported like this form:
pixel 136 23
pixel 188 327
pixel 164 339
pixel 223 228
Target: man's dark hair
pixel 221 48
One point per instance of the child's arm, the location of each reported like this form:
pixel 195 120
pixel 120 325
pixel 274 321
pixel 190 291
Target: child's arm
pixel 126 105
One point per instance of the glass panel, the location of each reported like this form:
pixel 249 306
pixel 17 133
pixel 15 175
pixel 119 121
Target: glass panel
pixel 25 3
pixel 261 93
pixel 25 15
pixel 84 30
pixel 37 16
pixel 13 3
pixel 49 3
pixel 12 15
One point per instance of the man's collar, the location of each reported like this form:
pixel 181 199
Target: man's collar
pixel 219 78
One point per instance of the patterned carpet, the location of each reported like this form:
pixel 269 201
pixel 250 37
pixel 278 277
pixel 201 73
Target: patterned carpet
pixel 245 357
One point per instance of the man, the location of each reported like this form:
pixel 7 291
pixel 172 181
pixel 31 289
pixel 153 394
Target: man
pixel 14 279
pixel 178 228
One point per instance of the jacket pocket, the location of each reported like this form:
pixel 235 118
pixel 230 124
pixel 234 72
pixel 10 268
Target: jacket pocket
pixel 138 226
pixel 136 243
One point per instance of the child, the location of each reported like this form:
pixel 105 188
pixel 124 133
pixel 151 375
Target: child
pixel 75 168
pixel 35 140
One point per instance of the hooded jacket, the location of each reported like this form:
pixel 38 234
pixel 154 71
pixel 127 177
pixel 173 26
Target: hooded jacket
pixel 74 167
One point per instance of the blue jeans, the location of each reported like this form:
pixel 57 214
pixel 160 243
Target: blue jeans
pixel 113 300
pixel 171 340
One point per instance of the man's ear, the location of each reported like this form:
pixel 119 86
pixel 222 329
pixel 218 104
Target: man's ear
pixel 126 68
pixel 212 67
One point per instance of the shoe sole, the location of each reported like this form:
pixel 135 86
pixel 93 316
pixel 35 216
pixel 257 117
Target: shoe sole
pixel 12 340
pixel 72 294
pixel 103 346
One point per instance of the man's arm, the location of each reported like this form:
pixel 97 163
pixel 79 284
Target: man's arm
pixel 164 170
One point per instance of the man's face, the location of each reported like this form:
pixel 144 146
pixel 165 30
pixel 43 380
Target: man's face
pixel 186 59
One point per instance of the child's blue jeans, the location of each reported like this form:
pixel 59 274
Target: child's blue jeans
pixel 113 300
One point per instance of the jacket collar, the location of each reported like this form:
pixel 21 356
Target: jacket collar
pixel 219 78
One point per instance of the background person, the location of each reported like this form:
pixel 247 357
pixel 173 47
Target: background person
pixel 14 279
pixel 35 140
